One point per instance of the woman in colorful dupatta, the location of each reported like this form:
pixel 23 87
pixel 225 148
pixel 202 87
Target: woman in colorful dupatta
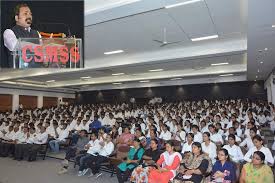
pixel 167 165
pixel 194 166
pixel 257 171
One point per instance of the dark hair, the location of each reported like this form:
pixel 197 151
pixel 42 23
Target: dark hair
pixel 232 136
pixel 260 154
pixel 257 137
pixel 191 134
pixel 254 129
pixel 197 144
pixel 207 133
pixel 137 140
pixel 225 151
pixel 85 131
pixel 195 126
pixel 171 143
pixel 155 140
pixel 17 8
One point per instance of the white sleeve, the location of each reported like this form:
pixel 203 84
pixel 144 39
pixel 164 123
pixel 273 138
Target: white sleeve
pixel 268 157
pixel 10 40
pixel 240 154
pixel 247 156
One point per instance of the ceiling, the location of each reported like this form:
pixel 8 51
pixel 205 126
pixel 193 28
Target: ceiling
pixel 261 39
pixel 132 25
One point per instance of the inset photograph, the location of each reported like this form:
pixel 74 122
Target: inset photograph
pixel 42 34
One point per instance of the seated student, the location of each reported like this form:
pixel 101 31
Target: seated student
pixel 234 150
pixel 34 143
pixel 257 171
pixel 62 135
pixel 125 168
pixel 167 165
pixel 247 142
pixel 92 150
pixel 258 143
pixel 105 150
pixel 223 170
pixel 165 133
pixel 150 157
pixel 209 147
pixel 95 125
pixel 214 135
pixel 194 165
pixel 74 150
pixel 197 134
pixel 21 145
pixel 233 132
pixel 187 147
pixel 9 142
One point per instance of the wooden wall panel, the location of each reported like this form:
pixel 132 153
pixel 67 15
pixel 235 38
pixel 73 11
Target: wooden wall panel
pixel 49 101
pixel 28 102
pixel 5 102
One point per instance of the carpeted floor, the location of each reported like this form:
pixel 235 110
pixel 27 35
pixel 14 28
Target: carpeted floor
pixel 40 171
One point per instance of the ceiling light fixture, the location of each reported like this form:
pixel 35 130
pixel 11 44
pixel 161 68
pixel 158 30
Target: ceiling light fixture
pixel 256 76
pixel 223 75
pixel 265 49
pixel 173 79
pixel 118 74
pixel 113 52
pixel 85 77
pixel 224 63
pixel 144 81
pixel 261 62
pixel 183 3
pixel 117 83
pixel 50 81
pixel 273 26
pixel 155 70
pixel 205 38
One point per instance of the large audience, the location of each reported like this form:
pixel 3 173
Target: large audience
pixel 195 141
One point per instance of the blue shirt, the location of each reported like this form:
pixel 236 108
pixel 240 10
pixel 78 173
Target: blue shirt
pixel 95 125
pixel 229 166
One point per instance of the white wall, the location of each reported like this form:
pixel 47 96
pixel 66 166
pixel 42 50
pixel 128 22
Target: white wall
pixel 40 94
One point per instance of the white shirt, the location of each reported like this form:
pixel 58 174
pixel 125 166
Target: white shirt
pixel 94 148
pixel 107 149
pixel 41 138
pixel 211 150
pixel 186 148
pixel 198 137
pixel 165 135
pixel 216 138
pixel 234 152
pixel 266 151
pixel 248 142
pixel 63 135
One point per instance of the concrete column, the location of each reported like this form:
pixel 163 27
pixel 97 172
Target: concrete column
pixel 15 102
pixel 40 101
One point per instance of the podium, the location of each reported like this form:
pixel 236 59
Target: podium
pixel 48 53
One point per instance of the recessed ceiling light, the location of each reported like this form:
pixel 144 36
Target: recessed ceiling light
pixel 265 49
pixel 113 52
pixel 86 77
pixel 117 83
pixel 258 70
pixel 261 62
pixel 273 26
pixel 50 81
pixel 144 81
pixel 205 38
pixel 183 3
pixel 155 70
pixel 117 74
pixel 173 79
pixel 255 80
pixel 256 76
pixel 224 63
pixel 226 75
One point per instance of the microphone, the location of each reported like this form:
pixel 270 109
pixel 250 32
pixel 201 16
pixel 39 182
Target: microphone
pixel 57 23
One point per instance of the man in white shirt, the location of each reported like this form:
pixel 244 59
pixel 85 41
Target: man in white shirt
pixel 165 134
pixel 106 148
pixel 197 134
pixel 62 135
pixel 5 145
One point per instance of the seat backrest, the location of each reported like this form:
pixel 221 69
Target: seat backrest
pixel 122 152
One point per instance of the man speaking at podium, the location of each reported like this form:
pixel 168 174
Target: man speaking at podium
pixel 22 29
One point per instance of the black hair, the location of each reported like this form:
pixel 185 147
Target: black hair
pixel 261 155
pixel 207 133
pixel 225 151
pixel 155 140
pixel 257 137
pixel 232 136
pixel 17 8
pixel 197 144
pixel 191 134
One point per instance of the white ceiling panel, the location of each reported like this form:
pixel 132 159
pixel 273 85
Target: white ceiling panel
pixel 194 19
